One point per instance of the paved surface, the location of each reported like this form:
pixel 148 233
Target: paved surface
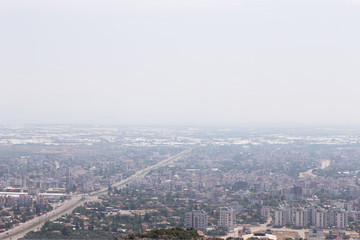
pixel 302 232
pixel 263 227
pixel 76 200
pixel 36 223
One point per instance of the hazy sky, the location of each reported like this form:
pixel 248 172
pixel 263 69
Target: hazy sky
pixel 180 61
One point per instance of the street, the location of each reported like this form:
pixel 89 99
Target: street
pixel 76 200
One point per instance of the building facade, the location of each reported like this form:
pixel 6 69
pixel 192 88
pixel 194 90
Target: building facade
pixel 227 218
pixel 306 217
pixel 196 219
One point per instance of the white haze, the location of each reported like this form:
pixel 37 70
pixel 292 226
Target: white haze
pixel 180 61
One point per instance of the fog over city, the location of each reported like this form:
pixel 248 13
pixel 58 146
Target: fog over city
pixel 180 119
pixel 180 62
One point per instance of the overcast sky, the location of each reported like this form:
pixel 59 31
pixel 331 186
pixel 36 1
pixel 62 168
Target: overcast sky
pixel 180 61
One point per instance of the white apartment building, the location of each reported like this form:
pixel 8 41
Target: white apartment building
pixel 318 218
pixel 265 212
pixel 227 218
pixel 278 218
pixel 321 219
pixel 301 218
pixel 341 220
pixel 196 219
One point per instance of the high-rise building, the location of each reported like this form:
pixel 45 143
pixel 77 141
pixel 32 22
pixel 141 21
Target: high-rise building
pixel 303 217
pixel 265 212
pixel 341 220
pixel 321 219
pixel 278 218
pixel 288 215
pixel 227 218
pixel 196 219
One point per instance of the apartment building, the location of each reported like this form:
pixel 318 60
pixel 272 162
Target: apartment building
pixel 197 219
pixel 304 217
pixel 227 217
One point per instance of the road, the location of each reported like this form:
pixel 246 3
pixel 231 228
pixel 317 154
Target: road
pixel 77 200
pixel 309 173
pixel 35 223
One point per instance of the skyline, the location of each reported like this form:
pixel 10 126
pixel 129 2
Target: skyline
pixel 180 63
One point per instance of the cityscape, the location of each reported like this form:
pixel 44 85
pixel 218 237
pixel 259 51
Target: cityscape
pixel 76 182
pixel 179 119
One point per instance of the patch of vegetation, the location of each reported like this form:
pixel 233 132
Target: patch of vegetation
pixel 170 233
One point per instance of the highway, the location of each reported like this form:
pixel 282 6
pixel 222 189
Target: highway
pixel 76 200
